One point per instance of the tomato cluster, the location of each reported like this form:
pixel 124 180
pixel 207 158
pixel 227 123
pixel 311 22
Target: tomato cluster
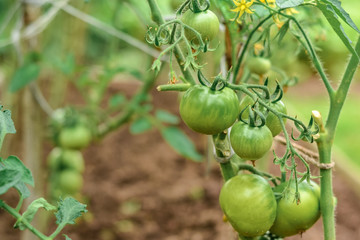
pixel 250 206
pixel 66 163
pixel 66 168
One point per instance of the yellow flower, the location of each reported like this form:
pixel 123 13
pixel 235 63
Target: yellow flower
pixel 241 7
pixel 271 3
pixel 258 47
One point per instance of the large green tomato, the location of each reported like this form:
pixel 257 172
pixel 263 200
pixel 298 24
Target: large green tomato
pixel 250 143
pixel 207 111
pixel 70 181
pixel 76 137
pixel 292 218
pixel 206 23
pixel 249 204
pixel 259 65
pixel 272 122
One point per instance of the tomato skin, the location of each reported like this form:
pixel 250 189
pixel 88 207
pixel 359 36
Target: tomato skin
pixel 250 143
pixel 272 122
pixel 76 137
pixel 207 111
pixel 70 181
pixel 249 204
pixel 292 219
pixel 259 65
pixel 73 159
pixel 206 23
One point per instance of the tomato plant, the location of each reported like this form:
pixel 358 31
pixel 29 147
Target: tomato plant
pixel 294 217
pixel 249 204
pixel 209 111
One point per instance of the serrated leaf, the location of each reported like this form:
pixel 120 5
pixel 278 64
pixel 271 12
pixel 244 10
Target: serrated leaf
pixel 14 163
pixel 331 17
pixel 6 124
pixel 8 179
pixel 23 76
pixel 32 209
pixel 68 210
pixel 140 125
pixel 166 117
pixel 336 5
pixel 288 3
pixel 180 143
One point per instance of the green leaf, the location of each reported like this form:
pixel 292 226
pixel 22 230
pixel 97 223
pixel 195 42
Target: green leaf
pixel 140 125
pixel 330 15
pixel 166 117
pixel 32 209
pixel 8 179
pixel 23 76
pixel 68 210
pixel 14 163
pixel 283 30
pixel 181 143
pixel 336 5
pixel 6 124
pixel 288 3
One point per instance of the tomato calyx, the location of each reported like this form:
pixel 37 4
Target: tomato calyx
pixel 217 85
pixel 196 7
pixel 255 119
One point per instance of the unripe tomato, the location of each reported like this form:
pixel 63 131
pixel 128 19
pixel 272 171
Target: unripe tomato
pixel 54 159
pixel 272 122
pixel 293 218
pixel 206 23
pixel 207 111
pixel 250 143
pixel 73 160
pixel 259 65
pixel 249 204
pixel 76 137
pixel 70 181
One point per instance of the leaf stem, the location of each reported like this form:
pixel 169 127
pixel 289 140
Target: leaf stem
pixel 158 18
pixel 16 215
pixel 244 48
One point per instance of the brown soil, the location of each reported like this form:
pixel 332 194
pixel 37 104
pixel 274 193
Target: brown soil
pixel 138 188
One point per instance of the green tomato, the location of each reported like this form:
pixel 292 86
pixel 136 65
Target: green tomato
pixel 54 159
pixel 249 204
pixel 259 65
pixel 293 218
pixel 250 143
pixel 70 181
pixel 206 23
pixel 73 160
pixel 272 122
pixel 207 111
pixel 76 137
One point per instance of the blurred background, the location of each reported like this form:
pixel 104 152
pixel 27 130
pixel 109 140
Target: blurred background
pixel 147 176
